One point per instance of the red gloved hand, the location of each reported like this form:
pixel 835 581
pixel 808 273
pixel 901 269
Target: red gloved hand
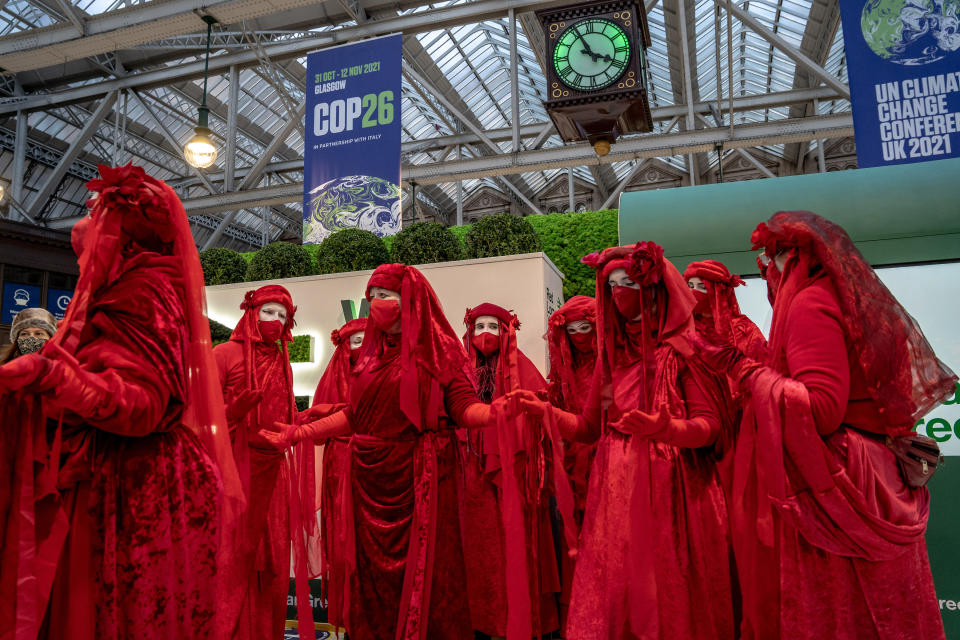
pixel 243 403
pixel 23 372
pixel 724 358
pixel 526 401
pixel 643 425
pixel 319 410
pixel 286 435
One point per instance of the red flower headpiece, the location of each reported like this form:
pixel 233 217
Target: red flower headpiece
pixel 646 264
pixel 341 335
pixel 506 317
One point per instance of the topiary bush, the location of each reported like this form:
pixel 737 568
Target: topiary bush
pixel 218 332
pixel 425 243
pixel 222 266
pixel 500 235
pixel 351 250
pixel 567 237
pixel 280 260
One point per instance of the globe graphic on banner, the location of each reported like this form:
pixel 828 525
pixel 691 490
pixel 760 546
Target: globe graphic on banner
pixel 912 32
pixel 359 202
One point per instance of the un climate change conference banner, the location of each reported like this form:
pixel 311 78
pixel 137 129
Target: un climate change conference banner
pixel 903 58
pixel 352 152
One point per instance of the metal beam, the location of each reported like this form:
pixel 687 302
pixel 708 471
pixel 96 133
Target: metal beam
pixel 73 152
pixel 230 159
pixel 742 152
pixel 411 23
pixel 514 80
pixel 792 52
pixel 650 146
pixel 17 186
pixel 688 97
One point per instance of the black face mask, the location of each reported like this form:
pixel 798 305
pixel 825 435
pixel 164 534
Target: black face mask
pixel 30 344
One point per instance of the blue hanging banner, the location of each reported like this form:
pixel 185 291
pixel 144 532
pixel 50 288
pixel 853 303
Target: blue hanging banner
pixel 352 151
pixel 903 60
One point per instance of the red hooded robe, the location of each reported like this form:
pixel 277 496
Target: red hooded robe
pixel 483 529
pixel 336 512
pixel 829 538
pixel 119 490
pixel 249 364
pixel 654 555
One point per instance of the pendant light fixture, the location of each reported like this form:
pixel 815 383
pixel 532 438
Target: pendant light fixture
pixel 200 152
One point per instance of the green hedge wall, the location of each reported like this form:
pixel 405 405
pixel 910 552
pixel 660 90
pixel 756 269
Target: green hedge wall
pixel 500 235
pixel 425 243
pixel 564 237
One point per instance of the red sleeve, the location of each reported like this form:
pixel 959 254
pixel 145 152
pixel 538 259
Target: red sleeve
pixel 228 357
pixel 588 428
pixel 458 395
pixel 699 404
pixel 816 354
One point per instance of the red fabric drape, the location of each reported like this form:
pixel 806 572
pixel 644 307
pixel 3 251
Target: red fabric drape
pixel 652 507
pixel 138 317
pixel 336 508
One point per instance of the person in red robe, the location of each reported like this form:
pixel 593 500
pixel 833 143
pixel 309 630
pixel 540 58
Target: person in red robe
pixel 334 500
pixel 717 316
pixel 408 393
pixel 829 538
pixel 500 367
pixel 118 489
pixel 257 386
pixel 572 343
pixel 654 559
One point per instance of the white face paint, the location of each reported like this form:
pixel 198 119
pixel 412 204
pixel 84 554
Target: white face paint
pixel 379 293
pixel 273 311
pixel 696 284
pixel 356 340
pixel 619 278
pixel 486 324
pixel 580 326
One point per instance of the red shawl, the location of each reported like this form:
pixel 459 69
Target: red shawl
pixel 133 213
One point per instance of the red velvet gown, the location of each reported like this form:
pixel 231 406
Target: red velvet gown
pixel 266 541
pixel 138 493
pixel 684 537
pixel 483 531
pixel 403 480
pixel 824 594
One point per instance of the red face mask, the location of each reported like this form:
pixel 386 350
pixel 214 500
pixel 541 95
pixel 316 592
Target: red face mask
pixel 271 330
pixel 583 342
pixel 703 302
pixel 772 276
pixel 628 301
pixel 354 355
pixel 384 313
pixel 486 343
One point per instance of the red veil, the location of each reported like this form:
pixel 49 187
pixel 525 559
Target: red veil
pixel 903 375
pixel 334 385
pixel 562 377
pixel 132 209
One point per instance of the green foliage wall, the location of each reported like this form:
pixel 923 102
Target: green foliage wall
pixel 564 237
pixel 500 235
pixel 567 237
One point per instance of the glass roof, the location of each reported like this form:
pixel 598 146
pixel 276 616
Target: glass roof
pixel 473 64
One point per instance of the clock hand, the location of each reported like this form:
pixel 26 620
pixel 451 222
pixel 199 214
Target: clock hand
pixel 586 49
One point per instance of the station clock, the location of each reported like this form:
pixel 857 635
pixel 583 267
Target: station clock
pixel 596 71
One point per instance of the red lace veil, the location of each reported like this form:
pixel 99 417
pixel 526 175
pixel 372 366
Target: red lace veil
pixel 561 355
pixel 903 375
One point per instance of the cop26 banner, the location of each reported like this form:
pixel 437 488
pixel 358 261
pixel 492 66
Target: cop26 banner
pixel 903 58
pixel 352 152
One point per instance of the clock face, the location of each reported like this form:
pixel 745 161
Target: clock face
pixel 591 54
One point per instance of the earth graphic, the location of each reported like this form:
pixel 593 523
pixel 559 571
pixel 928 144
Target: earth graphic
pixel 361 202
pixel 912 32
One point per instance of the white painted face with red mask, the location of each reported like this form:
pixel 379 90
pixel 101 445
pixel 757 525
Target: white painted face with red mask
pixel 699 290
pixel 486 335
pixel 627 297
pixel 385 309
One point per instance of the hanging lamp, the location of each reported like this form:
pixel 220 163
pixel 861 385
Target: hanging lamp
pixel 200 152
